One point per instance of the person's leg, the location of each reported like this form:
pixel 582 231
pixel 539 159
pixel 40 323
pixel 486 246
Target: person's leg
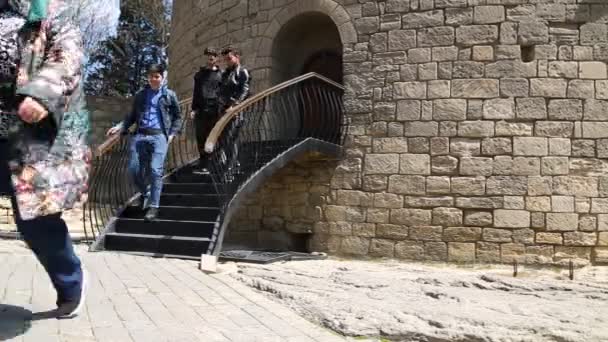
pixel 200 126
pixel 136 165
pixel 48 238
pixel 157 163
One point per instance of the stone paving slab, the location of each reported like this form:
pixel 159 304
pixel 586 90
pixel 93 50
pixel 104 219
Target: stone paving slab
pixel 133 298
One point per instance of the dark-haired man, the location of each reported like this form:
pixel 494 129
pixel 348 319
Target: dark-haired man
pixel 156 116
pixel 205 103
pixel 233 90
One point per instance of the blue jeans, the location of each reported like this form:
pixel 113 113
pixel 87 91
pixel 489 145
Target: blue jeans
pixel 146 165
pixel 48 238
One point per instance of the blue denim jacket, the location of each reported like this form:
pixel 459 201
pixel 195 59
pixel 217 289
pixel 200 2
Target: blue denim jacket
pixel 168 106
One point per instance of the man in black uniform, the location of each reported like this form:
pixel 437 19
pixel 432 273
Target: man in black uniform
pixel 205 103
pixel 234 89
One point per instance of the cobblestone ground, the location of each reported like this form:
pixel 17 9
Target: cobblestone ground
pixel 142 299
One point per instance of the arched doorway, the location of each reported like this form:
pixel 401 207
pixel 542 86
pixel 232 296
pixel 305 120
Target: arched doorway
pixel 327 63
pixel 308 42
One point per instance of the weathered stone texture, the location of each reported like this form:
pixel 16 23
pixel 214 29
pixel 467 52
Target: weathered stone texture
pixel 477 129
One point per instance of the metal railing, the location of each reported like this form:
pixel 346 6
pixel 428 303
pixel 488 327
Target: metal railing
pixel 256 132
pixel 243 141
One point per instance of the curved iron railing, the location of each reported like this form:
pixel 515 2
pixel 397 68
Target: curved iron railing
pixel 246 138
pixel 264 127
pixel 111 189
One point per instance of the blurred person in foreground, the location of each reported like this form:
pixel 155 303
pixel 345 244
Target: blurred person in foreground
pixel 44 135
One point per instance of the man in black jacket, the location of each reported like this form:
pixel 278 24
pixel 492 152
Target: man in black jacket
pixel 205 103
pixel 234 89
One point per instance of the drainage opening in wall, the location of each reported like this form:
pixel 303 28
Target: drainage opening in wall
pixel 298 250
pixel 527 53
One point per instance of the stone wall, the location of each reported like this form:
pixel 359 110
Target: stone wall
pixel 283 213
pixel 479 127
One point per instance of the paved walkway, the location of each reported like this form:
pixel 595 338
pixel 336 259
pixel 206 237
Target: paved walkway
pixel 143 299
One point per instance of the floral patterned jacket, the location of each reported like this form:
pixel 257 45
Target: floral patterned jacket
pixel 51 159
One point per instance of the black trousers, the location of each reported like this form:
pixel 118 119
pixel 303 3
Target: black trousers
pixel 204 121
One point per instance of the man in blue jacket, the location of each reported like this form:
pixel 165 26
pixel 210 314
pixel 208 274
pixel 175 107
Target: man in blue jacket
pixel 157 119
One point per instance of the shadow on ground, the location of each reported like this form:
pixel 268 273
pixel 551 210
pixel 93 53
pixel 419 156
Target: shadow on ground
pixel 14 321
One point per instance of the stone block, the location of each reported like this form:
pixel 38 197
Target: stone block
pixel 426 233
pixel 496 146
pixel 458 16
pixel 444 165
pixel 497 235
pixel 553 166
pixel 549 238
pixel 419 55
pixel 530 146
pixel 559 147
pixel 525 236
pixel 438 185
pixel 418 20
pixel 448 129
pixel 354 198
pixel 428 202
pixel 427 71
pixel 382 248
pixel 409 250
pixel 462 234
pixel 602 239
pixel 575 186
pixel 461 252
pixel 407 185
pixel 511 218
pixel 561 69
pixel 593 70
pixel 381 164
pixel 377 215
pixel 476 129
pixel 532 32
pixel 390 145
pixel 415 164
pixel 479 202
pixel 514 202
pixel 508 52
pixel 540 203
pixel 531 108
pixel 593 33
pixel 375 183
pixel 483 53
pixel 439 89
pixel 600 255
pixel 499 109
pixel 507 185
pixel 595 109
pixel 478 218
pixel 449 109
pixel 468 186
pixel 355 245
pixel 562 204
pixel 548 87
pixel 468 69
pixel 580 239
pixel 476 35
pixel 408 110
pixel 581 89
pixel 444 53
pixel 489 14
pixel 595 130
pixel 391 231
pixel 576 253
pixel 418 145
pixel 562 222
pixel 511 69
pixel 384 200
pixel 440 146
pixel 601 89
pixel 565 109
pixel 448 217
pixel 436 251
pixel 476 166
pixel 514 87
pixel 410 90
pixel 436 36
pixel 411 217
pixel 465 147
pixel 583 148
pixel 421 129
pixel 512 252
pixel 367 25
pixel 504 128
pixel 478 88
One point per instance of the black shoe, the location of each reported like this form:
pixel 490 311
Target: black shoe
pixel 151 215
pixel 71 308
pixel 138 203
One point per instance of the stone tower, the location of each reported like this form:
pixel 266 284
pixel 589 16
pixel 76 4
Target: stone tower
pixel 479 128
